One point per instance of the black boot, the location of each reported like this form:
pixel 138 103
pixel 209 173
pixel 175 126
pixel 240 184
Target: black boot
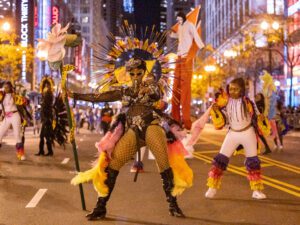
pixel 99 211
pixel 41 148
pixel 168 184
pixel 49 146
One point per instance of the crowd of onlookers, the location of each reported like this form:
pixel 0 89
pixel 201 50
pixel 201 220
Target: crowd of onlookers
pixel 292 115
pixel 94 119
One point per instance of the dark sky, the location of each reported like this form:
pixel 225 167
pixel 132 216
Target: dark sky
pixel 147 13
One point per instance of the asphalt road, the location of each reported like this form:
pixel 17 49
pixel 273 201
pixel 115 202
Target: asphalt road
pixel 144 202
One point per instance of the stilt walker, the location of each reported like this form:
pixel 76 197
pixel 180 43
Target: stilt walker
pixel 188 40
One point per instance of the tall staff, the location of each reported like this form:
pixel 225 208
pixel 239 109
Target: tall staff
pixel 53 50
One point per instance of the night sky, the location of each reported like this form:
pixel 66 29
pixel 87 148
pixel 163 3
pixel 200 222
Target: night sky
pixel 147 13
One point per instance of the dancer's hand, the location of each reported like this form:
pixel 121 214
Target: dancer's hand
pixel 261 116
pixel 215 107
pixel 70 94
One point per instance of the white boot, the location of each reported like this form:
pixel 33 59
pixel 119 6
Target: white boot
pixel 258 195
pixel 210 193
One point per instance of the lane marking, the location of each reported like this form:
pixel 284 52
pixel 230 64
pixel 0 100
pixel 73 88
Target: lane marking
pixel 266 165
pixel 65 161
pixel 282 163
pixel 266 180
pixel 208 152
pixel 276 163
pixel 263 176
pixel 35 200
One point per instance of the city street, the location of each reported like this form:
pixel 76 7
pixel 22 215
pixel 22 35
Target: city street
pixel 144 202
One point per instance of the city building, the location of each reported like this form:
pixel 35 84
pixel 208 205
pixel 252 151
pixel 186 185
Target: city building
pixel 225 25
pixel 113 14
pixel 293 12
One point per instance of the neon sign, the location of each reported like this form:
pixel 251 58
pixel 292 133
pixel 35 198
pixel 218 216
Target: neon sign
pixel 55 15
pixel 24 34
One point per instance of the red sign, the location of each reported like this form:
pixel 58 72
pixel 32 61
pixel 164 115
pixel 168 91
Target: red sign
pixel 36 21
pixel 78 59
pixel 55 15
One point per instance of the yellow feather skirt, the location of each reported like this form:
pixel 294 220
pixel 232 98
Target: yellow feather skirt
pixel 97 175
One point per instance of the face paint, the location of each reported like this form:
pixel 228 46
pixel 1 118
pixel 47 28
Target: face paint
pixel 234 91
pixel 136 75
pixel 179 20
pixel 7 88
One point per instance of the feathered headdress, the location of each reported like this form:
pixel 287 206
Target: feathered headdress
pixel 268 82
pixel 46 80
pixel 112 63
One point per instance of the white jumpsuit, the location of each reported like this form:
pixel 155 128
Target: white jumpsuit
pixel 12 117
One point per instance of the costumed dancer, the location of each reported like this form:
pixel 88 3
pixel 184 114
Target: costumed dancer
pixel 186 34
pixel 53 118
pixel 13 112
pixel 242 117
pixel 106 117
pixel 269 91
pixel 139 125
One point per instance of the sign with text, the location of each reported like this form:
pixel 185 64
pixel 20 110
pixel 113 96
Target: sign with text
pixel 25 29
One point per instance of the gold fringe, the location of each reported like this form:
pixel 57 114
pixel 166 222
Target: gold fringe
pixel 256 185
pixel 213 183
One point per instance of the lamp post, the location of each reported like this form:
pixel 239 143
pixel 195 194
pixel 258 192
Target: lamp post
pixel 210 69
pixel 268 29
pixel 230 55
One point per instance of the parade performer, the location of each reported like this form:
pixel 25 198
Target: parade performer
pixel 106 118
pixel 186 33
pixel 141 123
pixel 15 114
pixel 269 92
pixel 242 115
pixel 53 118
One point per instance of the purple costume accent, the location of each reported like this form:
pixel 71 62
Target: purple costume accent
pixel 221 161
pixel 19 145
pixel 252 163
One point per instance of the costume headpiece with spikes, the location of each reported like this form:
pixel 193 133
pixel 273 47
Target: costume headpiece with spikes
pixel 46 80
pixel 116 60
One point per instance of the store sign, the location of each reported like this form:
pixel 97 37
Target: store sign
pixel 24 34
pixel 24 26
pixel 55 15
pixel 24 23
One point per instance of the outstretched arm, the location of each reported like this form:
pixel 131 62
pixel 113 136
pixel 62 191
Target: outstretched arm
pixel 109 96
pixel 197 38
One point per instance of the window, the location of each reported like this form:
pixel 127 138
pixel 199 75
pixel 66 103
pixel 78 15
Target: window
pixel 85 10
pixel 85 19
pixel 85 29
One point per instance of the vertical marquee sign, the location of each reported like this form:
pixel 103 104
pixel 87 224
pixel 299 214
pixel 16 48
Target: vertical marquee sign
pixel 25 31
pixel 55 15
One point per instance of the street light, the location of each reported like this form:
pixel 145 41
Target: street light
pixel 6 26
pixel 230 54
pixel 268 29
pixel 210 69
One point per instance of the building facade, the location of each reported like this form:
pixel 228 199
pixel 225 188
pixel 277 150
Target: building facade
pixel 225 24
pixel 293 13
